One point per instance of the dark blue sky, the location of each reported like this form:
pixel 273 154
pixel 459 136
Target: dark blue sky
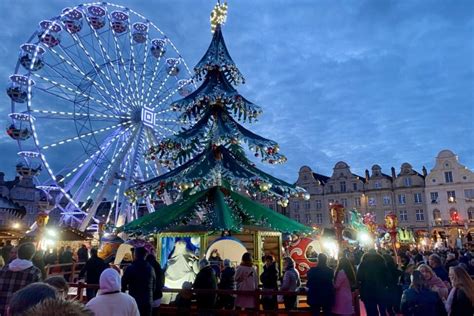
pixel 366 82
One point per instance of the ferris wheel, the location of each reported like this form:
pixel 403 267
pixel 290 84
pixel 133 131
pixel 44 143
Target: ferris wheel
pixel 91 93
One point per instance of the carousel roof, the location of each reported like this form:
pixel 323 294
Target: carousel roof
pixel 215 209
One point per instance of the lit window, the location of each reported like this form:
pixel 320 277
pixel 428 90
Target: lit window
pixel 451 196
pixel 420 215
pixel 437 215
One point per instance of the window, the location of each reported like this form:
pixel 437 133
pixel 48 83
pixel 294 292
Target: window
pixel 318 204
pixel 469 193
pixel 417 198
pixel 296 206
pixel 354 186
pixel 470 214
pixel 386 200
pixel 308 218
pixel 372 201
pixel 307 205
pixel 434 197
pixel 437 215
pixel 420 215
pixel 448 177
pixel 297 217
pixel 357 201
pixel 407 182
pixel 343 186
pixel 344 202
pixel 331 189
pixel 403 214
pixel 377 184
pixel 319 218
pixel 451 196
pixel 402 199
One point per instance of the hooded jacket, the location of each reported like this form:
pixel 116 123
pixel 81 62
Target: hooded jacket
pixel 109 300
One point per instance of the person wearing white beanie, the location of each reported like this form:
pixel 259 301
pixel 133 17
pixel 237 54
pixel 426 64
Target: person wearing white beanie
pixel 110 301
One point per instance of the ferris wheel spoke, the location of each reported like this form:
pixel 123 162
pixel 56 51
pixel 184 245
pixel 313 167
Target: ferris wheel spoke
pixel 143 74
pixel 122 63
pixel 111 168
pixel 168 74
pixel 92 61
pixel 69 115
pixel 133 64
pixel 95 132
pixel 73 91
pixel 153 77
pixel 70 61
pixel 108 63
pixel 169 95
pixel 102 149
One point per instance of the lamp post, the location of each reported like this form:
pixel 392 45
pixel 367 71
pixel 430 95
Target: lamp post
pixel 391 223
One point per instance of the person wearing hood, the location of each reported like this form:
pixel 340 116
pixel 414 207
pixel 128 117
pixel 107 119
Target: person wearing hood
pixel 433 282
pixel 110 301
pixel 18 274
pixel 205 280
pixel 140 281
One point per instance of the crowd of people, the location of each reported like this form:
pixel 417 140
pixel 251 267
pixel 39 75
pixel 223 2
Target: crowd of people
pixel 411 283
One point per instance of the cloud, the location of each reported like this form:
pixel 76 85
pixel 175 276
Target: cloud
pixel 360 81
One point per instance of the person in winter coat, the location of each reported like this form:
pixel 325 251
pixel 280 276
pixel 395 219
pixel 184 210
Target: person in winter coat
pixel 269 279
pixel 344 282
pixel 460 300
pixel 140 281
pixel 18 274
pixel 291 282
pixel 67 258
pixel 320 286
pixel 28 297
pixel 82 254
pixel 160 280
pixel 405 277
pixel 372 279
pixel 393 292
pixel 419 300
pixel 433 282
pixel 58 307
pixel 205 280
pixel 437 266
pixel 227 282
pixel 92 270
pixel 247 280
pixel 110 301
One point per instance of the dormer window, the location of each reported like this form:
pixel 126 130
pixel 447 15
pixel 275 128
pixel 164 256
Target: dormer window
pixel 407 182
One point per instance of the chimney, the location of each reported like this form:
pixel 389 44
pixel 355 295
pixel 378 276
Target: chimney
pixel 394 174
pixel 367 176
pixel 425 173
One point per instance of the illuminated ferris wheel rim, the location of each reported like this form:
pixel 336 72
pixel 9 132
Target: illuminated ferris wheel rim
pixel 135 118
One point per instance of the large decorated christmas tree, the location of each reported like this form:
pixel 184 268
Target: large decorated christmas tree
pixel 213 180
